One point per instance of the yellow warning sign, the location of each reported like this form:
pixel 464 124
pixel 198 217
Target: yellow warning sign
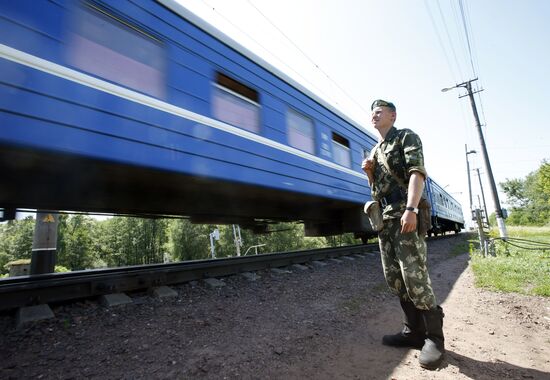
pixel 48 219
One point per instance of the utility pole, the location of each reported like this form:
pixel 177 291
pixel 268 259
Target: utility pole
pixel 237 238
pixel 498 211
pixel 483 197
pixel 468 171
pixel 214 235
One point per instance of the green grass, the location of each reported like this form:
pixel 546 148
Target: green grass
pixel 461 248
pixel 515 269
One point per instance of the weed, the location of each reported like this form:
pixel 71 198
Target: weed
pixel 516 268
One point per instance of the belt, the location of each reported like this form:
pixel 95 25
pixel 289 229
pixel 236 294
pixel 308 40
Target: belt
pixel 395 196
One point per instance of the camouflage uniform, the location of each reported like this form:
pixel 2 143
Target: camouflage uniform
pixel 403 255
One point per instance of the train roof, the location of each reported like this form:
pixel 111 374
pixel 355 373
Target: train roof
pixel 180 10
pixel 441 189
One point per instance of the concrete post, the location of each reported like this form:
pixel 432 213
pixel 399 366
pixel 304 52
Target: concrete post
pixel 44 243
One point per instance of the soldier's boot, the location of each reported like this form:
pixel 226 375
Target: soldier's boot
pixel 412 334
pixel 434 346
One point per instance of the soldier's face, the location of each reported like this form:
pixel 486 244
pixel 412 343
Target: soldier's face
pixel 382 118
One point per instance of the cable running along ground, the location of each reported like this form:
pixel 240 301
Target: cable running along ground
pixel 530 245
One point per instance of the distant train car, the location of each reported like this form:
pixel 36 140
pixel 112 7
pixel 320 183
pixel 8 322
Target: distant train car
pixel 140 107
pixel 446 211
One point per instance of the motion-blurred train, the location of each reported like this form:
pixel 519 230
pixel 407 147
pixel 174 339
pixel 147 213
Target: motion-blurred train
pixel 140 107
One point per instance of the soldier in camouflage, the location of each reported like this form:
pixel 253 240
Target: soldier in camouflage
pixel 396 175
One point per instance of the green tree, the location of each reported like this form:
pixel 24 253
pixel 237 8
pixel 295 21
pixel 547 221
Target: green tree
pixel 281 237
pixel 544 180
pixel 15 241
pixel 189 241
pixel 529 197
pixel 75 248
pixel 515 191
pixel 132 241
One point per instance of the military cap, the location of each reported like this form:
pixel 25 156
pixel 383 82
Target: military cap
pixel 382 103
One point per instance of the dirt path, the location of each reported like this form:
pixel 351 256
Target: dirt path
pixel 488 336
pixel 320 323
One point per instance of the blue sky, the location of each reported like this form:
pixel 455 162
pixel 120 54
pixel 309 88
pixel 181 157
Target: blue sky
pixel 406 51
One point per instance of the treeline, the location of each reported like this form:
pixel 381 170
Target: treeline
pixel 529 198
pixel 84 242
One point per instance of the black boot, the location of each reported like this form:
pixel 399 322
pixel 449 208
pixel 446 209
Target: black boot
pixel 412 334
pixel 434 347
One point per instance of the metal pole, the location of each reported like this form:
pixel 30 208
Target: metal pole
pixel 237 238
pixel 483 197
pixel 212 248
pixel 481 233
pixel 469 181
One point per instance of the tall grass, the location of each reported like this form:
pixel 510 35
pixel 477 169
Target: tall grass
pixel 517 269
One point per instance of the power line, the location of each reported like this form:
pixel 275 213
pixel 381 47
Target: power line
pixel 449 38
pixel 457 29
pixel 460 3
pixel 440 40
pixel 267 50
pixel 520 147
pixel 473 61
pixel 308 58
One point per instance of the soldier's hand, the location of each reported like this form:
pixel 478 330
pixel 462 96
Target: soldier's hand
pixel 368 166
pixel 408 222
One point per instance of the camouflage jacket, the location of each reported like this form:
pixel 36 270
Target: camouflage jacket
pixel 403 151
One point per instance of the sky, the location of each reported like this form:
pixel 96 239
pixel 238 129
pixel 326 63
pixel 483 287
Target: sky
pixel 351 52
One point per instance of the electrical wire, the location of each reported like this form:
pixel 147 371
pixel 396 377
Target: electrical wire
pixel 467 34
pixel 530 245
pixel 443 20
pixel 312 85
pixel 457 29
pixel 308 58
pixel 434 24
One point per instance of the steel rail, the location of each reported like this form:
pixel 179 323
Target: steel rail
pixel 59 287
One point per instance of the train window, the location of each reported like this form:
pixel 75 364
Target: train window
pixel 236 103
pixel 300 131
pixel 341 151
pixel 108 47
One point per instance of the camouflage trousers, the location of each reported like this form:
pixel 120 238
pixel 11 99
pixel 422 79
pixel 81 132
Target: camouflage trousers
pixel 404 263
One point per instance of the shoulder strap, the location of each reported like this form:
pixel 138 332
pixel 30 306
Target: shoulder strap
pixel 387 166
pixel 373 151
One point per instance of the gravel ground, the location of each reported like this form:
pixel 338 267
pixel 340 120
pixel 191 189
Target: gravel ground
pixel 322 323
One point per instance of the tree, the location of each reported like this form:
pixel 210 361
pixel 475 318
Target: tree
pixel 75 248
pixel 515 191
pixel 189 241
pixel 15 241
pixel 132 241
pixel 544 180
pixel 530 197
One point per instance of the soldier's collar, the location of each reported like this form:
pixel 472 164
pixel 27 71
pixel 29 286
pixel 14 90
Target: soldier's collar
pixel 391 134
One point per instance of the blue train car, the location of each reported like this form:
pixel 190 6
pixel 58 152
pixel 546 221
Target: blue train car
pixel 446 211
pixel 140 107
pixel 137 106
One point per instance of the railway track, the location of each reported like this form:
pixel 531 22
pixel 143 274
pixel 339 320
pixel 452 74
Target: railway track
pixel 59 287
pixel 48 288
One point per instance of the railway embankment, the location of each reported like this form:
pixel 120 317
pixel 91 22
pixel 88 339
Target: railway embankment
pixel 322 321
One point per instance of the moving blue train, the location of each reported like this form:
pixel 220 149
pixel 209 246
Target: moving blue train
pixel 140 107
